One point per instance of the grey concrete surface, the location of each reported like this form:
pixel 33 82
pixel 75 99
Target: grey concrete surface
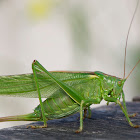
pixel 107 122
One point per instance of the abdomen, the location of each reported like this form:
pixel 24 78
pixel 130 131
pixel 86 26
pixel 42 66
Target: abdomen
pixel 59 106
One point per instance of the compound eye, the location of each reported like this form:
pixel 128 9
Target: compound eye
pixel 119 83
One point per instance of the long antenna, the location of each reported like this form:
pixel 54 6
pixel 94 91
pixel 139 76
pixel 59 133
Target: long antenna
pixel 133 69
pixel 128 35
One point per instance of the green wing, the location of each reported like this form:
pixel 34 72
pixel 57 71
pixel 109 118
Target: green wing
pixel 24 85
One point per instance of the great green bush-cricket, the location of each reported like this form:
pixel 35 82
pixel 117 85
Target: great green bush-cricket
pixel 66 92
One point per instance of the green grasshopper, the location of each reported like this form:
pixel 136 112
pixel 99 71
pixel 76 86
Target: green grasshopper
pixel 66 92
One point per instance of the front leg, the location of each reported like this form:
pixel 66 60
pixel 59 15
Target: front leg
pixel 124 104
pixel 126 115
pixel 81 118
pixel 111 99
pixel 125 111
pixel 84 104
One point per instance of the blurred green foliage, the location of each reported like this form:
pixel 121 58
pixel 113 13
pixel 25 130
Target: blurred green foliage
pixel 80 34
pixel 79 28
